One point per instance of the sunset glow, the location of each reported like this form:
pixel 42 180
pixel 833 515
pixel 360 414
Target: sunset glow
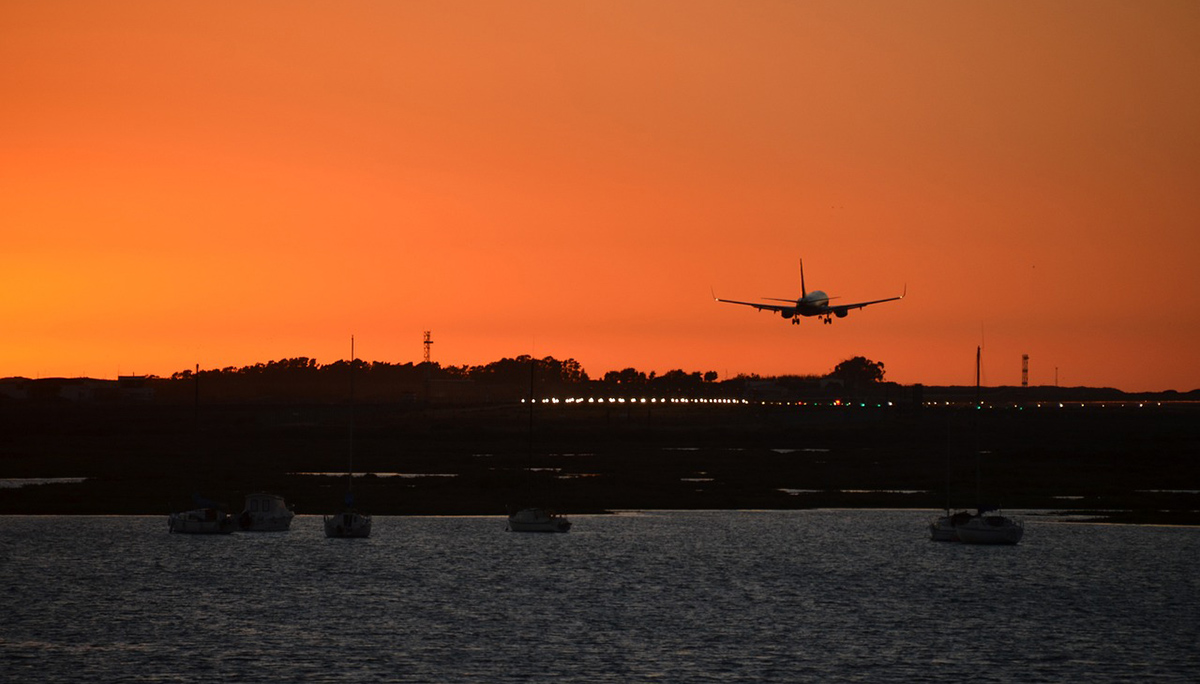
pixel 226 184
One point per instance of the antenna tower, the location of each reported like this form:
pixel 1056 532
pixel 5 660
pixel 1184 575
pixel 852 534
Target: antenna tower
pixel 1024 370
pixel 428 342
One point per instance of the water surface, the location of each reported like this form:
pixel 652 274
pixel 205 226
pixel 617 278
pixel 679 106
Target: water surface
pixel 672 596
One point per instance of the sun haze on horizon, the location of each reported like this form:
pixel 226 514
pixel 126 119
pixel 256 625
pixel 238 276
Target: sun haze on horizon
pixel 185 183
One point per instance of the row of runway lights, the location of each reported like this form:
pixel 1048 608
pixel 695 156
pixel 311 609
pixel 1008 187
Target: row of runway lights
pixel 745 402
pixel 623 400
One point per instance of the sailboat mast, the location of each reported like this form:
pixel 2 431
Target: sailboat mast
pixel 350 473
pixel 978 352
pixel 532 365
pixel 947 474
pixel 975 423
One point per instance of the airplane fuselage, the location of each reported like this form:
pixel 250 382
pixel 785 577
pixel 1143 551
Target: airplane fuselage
pixel 815 303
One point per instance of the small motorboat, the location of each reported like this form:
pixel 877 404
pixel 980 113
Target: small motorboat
pixel 265 513
pixel 201 521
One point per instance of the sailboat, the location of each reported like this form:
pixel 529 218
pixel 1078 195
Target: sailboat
pixel 350 522
pixel 987 525
pixel 536 519
pixel 208 517
pixel 945 527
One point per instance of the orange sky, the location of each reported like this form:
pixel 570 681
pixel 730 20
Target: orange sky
pixel 230 183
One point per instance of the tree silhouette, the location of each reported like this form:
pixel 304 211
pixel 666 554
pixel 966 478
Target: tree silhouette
pixel 630 377
pixel 858 371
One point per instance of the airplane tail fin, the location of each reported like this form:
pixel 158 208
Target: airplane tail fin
pixel 803 292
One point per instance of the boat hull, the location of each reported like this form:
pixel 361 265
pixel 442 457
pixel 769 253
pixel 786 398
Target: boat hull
pixel 540 527
pixel 264 523
pixel 995 530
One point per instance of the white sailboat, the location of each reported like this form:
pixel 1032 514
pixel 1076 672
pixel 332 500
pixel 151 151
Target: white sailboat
pixel 944 527
pixel 349 523
pixel 536 519
pixel 208 517
pixel 987 525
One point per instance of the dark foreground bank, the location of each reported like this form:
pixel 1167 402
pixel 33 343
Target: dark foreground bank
pixel 1124 463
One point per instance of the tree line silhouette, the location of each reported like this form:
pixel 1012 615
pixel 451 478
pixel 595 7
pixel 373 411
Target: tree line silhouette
pixel 303 378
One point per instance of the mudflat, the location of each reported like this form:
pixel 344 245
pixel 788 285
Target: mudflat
pixel 1122 461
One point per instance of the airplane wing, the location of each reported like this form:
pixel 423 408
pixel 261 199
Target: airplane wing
pixel 858 305
pixel 758 305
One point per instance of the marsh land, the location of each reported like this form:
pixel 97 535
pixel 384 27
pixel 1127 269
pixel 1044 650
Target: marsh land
pixel 1127 461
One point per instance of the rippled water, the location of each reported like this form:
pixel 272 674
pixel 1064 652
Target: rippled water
pixel 675 596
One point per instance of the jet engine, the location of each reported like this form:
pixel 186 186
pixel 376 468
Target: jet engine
pixel 840 313
pixel 787 313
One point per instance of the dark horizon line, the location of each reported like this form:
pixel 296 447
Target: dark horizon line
pixel 291 364
pixel 1179 395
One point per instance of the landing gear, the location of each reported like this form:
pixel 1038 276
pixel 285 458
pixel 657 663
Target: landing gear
pixel 828 320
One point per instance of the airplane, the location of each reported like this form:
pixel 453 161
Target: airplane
pixel 815 303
